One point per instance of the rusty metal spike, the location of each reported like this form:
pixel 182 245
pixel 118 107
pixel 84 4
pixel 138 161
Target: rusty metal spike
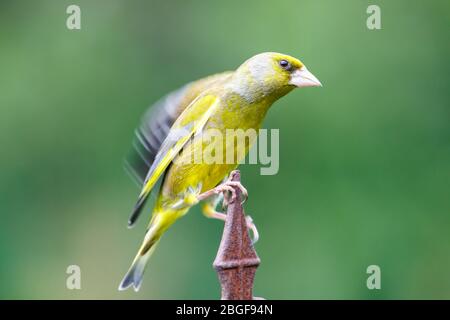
pixel 236 259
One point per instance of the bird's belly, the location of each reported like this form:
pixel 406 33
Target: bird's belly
pixel 197 176
pixel 204 163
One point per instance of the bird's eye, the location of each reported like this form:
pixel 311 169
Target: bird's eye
pixel 285 65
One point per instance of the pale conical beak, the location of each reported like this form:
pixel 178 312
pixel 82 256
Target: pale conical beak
pixel 303 78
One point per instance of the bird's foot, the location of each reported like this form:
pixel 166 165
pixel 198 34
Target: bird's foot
pixel 233 184
pixel 225 188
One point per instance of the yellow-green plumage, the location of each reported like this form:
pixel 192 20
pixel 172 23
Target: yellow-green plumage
pixel 231 100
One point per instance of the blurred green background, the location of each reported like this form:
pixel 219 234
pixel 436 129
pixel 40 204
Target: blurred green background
pixel 364 161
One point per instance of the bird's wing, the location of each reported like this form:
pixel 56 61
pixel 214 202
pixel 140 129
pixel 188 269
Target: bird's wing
pixel 191 121
pixel 158 120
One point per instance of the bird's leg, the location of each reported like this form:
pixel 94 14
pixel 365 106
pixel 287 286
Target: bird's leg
pixel 220 189
pixel 227 185
pixel 192 196
pixel 209 210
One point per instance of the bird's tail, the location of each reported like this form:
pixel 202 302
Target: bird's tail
pixel 159 224
pixel 134 275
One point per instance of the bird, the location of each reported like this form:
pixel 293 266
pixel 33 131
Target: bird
pixel 173 128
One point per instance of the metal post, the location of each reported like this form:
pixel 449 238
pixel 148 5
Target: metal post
pixel 236 259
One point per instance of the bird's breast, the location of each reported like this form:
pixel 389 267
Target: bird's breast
pixel 222 144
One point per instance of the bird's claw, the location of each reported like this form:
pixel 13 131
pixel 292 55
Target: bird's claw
pixel 244 191
pixel 223 189
pixel 251 225
pixel 230 186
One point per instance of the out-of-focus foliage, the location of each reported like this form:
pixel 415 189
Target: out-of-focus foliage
pixel 364 161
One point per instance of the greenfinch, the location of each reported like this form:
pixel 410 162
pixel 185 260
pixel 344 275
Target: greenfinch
pixel 168 137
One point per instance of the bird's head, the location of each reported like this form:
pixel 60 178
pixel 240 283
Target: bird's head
pixel 272 74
